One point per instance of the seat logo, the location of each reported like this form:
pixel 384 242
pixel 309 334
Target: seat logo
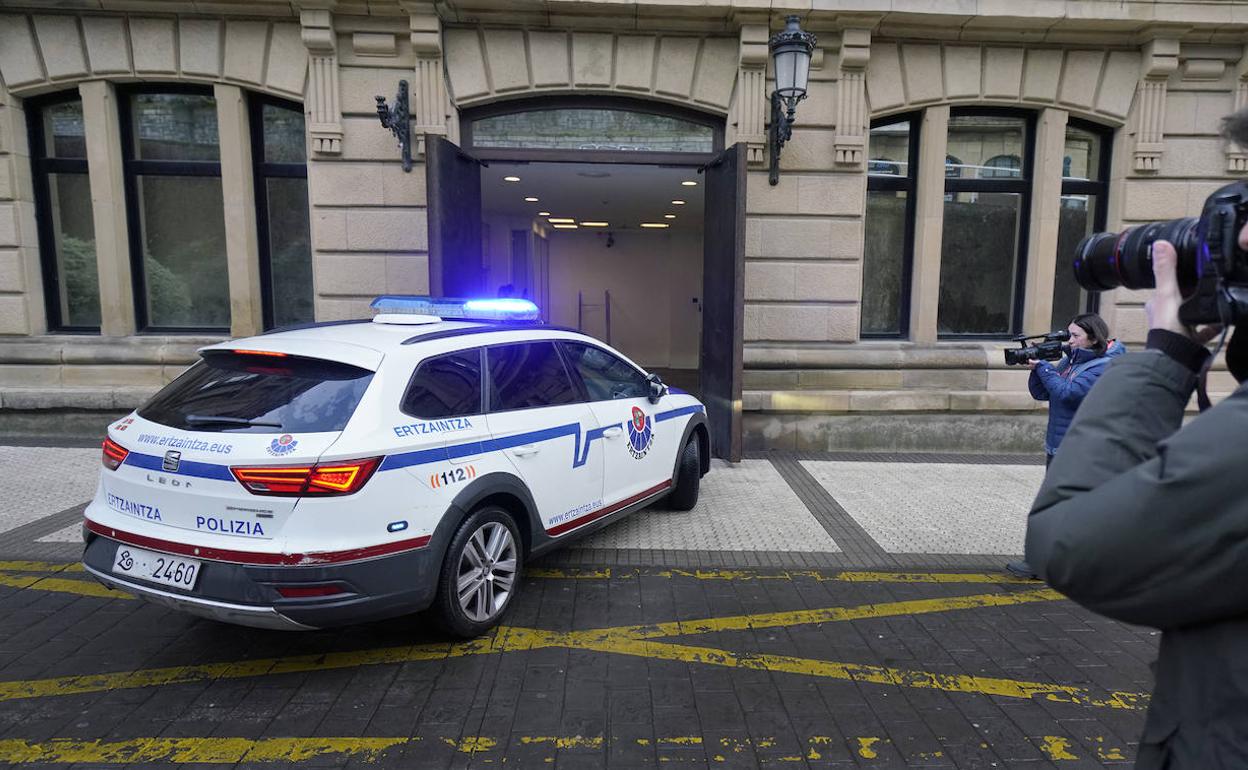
pixel 640 434
pixel 173 459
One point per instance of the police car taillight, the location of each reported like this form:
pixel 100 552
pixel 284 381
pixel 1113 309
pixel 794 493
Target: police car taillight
pixel 114 454
pixel 324 479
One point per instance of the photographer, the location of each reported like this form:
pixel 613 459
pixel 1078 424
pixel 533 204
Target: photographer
pixel 1146 521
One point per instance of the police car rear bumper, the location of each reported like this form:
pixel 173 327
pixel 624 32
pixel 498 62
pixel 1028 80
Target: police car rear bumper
pixel 243 594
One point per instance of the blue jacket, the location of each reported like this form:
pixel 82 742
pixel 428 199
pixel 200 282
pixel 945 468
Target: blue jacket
pixel 1065 385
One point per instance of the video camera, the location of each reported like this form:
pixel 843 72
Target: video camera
pixel 1050 349
pixel 1212 269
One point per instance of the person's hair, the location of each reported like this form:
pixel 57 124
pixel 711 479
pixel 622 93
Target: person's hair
pixel 1235 128
pixel 1097 330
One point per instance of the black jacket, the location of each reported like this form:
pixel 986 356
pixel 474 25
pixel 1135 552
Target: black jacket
pixel 1148 524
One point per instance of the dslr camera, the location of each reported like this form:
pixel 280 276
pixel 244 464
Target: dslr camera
pixel 1212 269
pixel 1050 348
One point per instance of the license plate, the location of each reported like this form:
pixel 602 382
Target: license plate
pixel 157 567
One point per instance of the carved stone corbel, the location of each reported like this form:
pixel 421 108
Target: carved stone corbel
pixel 851 100
pixel 752 102
pixel 429 84
pixel 317 20
pixel 1161 59
pixel 1236 156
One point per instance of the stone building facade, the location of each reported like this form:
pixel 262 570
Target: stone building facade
pixel 1147 82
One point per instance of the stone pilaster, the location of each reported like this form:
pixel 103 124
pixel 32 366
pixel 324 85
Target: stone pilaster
pixel 428 93
pixel 851 100
pixel 1236 156
pixel 752 104
pixel 322 105
pixel 1161 59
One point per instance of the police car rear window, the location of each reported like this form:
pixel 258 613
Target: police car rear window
pixel 228 392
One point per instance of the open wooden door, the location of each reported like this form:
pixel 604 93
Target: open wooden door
pixel 723 298
pixel 453 183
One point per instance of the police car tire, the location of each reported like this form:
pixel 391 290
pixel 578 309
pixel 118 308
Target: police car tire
pixel 688 478
pixel 451 616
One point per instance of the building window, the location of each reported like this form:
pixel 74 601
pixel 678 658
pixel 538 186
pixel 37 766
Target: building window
pixel 66 230
pixel 281 175
pixel 889 225
pixel 1003 167
pixel 985 225
pixel 1085 187
pixel 175 209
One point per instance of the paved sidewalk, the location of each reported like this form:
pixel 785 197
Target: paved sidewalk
pixel 821 611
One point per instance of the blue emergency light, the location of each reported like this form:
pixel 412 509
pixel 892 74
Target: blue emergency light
pixel 494 309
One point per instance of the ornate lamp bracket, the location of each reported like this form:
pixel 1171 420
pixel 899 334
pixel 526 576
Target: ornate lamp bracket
pixel 398 120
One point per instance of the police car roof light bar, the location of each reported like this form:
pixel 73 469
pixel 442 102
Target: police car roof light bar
pixel 493 309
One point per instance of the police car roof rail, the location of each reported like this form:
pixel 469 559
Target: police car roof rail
pixel 315 325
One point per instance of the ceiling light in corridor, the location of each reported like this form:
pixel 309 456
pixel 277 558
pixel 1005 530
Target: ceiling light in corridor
pixel 595 224
pixel 543 213
pixel 530 199
pixel 689 183
pixel 669 216
pixel 511 179
pixel 678 203
pixel 564 227
pixel 655 225
pixel 561 220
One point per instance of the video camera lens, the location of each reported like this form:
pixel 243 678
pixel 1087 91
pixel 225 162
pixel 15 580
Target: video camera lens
pixel 1106 261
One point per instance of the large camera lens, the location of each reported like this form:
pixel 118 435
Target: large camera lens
pixel 1106 261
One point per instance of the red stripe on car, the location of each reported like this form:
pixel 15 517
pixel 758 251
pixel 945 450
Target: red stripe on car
pixel 598 514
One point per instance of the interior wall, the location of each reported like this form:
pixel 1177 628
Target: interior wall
pixel 653 278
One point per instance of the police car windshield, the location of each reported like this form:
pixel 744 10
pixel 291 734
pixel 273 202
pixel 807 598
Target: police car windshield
pixel 231 392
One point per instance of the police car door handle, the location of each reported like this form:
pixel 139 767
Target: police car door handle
pixel 526 450
pixel 613 432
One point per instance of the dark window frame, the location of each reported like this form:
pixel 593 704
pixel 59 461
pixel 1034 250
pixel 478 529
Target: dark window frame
pixel 261 171
pixel 574 377
pixel 909 184
pixel 132 169
pixel 41 166
pixel 1021 186
pixel 482 393
pixel 1098 187
pixel 620 103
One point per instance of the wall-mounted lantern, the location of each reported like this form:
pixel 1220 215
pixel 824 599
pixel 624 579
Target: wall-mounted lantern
pixel 790 53
pixel 397 119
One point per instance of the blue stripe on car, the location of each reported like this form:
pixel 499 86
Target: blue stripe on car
pixel 185 468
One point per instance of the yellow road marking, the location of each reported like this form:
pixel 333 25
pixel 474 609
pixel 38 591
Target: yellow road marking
pixel 836 614
pixel 1056 747
pixel 224 750
pixel 625 640
pixel 963 683
pixel 41 566
pixel 192 750
pixel 740 574
pixel 61 585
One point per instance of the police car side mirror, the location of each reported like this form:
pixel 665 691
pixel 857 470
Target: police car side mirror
pixel 657 388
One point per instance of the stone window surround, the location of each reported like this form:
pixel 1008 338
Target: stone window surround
pixel 1048 143
pixel 113 253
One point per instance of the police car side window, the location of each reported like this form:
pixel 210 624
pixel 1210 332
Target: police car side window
pixel 606 377
pixel 446 386
pixel 528 375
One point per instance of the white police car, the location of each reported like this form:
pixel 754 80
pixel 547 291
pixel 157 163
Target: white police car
pixel 349 471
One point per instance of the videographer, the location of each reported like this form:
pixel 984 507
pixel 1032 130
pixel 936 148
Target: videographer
pixel 1146 521
pixel 1065 385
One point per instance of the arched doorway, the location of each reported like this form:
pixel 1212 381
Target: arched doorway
pixel 620 217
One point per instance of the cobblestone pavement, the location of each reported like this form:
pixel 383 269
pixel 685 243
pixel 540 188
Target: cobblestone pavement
pixel 849 648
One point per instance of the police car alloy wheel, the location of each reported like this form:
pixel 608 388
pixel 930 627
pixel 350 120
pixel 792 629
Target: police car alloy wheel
pixel 351 471
pixel 480 574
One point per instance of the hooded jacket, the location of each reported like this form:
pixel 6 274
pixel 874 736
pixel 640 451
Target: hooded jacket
pixel 1065 385
pixel 1148 524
